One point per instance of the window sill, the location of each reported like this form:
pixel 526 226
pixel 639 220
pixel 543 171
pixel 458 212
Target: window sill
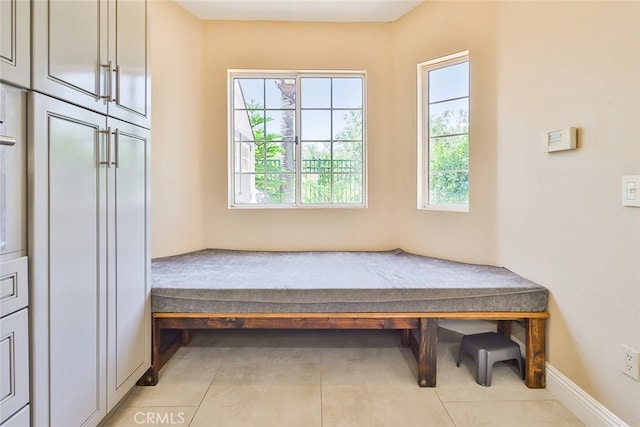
pixel 293 206
pixel 445 208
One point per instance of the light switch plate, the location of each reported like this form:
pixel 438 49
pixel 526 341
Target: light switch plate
pixel 631 190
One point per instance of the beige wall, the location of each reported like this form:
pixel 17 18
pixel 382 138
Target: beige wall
pixel 273 45
pixel 178 185
pixel 433 30
pixel 560 217
pixel 536 66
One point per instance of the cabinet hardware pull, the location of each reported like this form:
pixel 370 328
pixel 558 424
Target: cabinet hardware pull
pixel 108 133
pixel 109 94
pixel 117 97
pixel 7 140
pixel 117 147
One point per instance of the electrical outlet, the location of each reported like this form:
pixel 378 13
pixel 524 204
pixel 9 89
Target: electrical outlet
pixel 631 365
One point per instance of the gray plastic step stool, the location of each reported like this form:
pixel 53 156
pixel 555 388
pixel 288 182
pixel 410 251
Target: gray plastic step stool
pixel 486 349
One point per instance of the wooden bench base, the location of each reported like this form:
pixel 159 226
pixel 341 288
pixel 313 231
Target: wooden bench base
pixel 420 333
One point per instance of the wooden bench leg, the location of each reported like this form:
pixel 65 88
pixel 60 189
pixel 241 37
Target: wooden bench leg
pixel 427 352
pixel 535 354
pixel 406 338
pixel 186 337
pixel 151 376
pixel 504 328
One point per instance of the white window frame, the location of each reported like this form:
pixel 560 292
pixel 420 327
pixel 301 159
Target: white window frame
pixel 297 75
pixel 423 69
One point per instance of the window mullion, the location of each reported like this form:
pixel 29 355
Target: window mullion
pixel 448 135
pixel 298 142
pixel 442 101
pixel 331 143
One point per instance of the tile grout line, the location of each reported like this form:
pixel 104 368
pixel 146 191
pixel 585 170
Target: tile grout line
pixel 224 360
pixel 445 408
pixel 321 389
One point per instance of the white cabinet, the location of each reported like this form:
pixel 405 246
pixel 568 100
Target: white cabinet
pixel 89 250
pixel 70 51
pixel 88 239
pixel 14 287
pixel 15 31
pixel 129 317
pixel 68 252
pixel 94 54
pixel 14 363
pixel 14 341
pixel 128 54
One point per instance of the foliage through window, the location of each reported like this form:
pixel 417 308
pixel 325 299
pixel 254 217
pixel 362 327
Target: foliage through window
pixel 297 139
pixel 443 146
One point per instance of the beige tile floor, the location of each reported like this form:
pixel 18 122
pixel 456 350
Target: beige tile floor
pixel 329 378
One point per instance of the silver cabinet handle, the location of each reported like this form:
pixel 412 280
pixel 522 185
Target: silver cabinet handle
pixel 7 140
pixel 109 94
pixel 117 147
pixel 108 133
pixel 117 97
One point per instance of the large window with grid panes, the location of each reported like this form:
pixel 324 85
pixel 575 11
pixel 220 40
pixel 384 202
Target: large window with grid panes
pixel 443 133
pixel 297 139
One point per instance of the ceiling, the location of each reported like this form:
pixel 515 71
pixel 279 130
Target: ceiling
pixel 300 10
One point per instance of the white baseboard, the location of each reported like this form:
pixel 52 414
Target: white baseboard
pixel 590 411
pixel 586 408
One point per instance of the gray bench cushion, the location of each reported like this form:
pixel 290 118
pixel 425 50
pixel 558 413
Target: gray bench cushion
pixel 222 281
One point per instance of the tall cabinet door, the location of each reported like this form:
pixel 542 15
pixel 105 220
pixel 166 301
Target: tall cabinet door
pixel 15 31
pixel 70 51
pixel 68 248
pixel 129 325
pixel 128 52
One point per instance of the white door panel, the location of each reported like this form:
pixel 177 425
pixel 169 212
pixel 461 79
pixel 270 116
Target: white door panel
pixel 128 51
pixel 70 51
pixel 128 294
pixel 69 264
pixel 76 288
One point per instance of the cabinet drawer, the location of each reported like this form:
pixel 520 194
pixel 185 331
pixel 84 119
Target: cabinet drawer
pixel 13 286
pixel 14 363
